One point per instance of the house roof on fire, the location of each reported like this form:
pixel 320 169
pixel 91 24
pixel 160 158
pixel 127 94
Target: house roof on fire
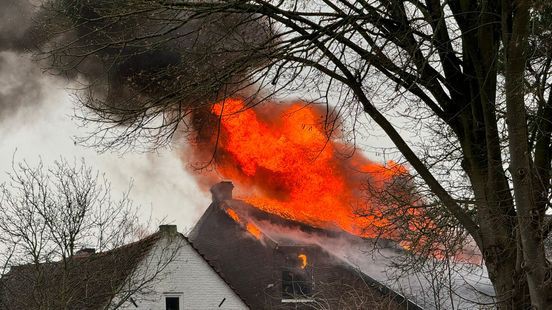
pixel 258 253
pixel 88 280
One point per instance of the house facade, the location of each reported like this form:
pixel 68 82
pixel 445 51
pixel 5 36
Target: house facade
pixel 160 272
pixel 186 281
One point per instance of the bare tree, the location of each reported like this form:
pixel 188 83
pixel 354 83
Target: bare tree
pixel 473 75
pixel 53 220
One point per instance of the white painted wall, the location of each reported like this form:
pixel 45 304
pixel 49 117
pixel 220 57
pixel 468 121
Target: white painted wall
pixel 187 276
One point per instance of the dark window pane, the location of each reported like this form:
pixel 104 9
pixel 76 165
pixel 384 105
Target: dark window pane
pixel 295 285
pixel 287 285
pixel 171 303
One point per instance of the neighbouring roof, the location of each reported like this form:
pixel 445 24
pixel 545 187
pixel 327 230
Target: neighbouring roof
pixel 85 282
pixel 81 282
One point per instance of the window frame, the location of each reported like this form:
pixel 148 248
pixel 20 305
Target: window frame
pixel 173 295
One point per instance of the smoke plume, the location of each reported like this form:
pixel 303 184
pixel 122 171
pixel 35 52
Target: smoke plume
pixel 150 66
pixel 21 82
pixel 15 24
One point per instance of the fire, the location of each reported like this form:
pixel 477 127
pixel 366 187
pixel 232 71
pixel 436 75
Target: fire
pixel 250 227
pixel 283 158
pixel 233 215
pixel 254 230
pixel 303 259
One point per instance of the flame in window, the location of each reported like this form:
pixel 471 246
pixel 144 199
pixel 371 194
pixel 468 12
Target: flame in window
pixel 303 259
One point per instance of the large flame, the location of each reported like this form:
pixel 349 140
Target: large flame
pixel 281 155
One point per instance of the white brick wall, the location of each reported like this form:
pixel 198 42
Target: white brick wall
pixel 187 276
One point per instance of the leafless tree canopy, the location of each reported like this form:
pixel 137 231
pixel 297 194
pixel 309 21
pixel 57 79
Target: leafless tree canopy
pixel 148 66
pixel 51 212
pixel 48 215
pixel 474 74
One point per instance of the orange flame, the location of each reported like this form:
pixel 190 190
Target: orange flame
pixel 254 230
pixel 303 259
pixel 250 227
pixel 283 157
pixel 233 215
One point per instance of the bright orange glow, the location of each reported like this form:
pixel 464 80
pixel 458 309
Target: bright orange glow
pixel 303 259
pixel 250 227
pixel 289 167
pixel 254 230
pixel 233 215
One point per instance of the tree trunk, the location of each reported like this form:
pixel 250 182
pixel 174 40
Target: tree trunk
pixel 515 31
pixel 510 284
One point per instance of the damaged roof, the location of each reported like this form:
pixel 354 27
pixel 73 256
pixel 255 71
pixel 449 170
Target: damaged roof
pixel 254 265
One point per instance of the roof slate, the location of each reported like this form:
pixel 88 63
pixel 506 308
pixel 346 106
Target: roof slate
pixel 79 282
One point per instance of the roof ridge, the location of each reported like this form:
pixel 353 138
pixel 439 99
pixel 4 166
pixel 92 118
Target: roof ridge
pixel 156 234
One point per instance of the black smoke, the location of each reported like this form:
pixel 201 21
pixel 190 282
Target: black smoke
pixel 20 80
pixel 140 64
pixel 16 24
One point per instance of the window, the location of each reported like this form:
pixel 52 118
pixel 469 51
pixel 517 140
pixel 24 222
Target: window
pixel 172 303
pixel 297 274
pixel 295 285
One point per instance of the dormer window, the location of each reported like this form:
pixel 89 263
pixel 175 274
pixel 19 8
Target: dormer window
pixel 297 277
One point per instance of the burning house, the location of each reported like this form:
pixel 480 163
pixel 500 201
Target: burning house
pixel 310 208
pixel 277 263
pixel 299 192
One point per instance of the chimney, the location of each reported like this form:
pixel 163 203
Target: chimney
pixel 168 229
pixel 84 252
pixel 222 191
